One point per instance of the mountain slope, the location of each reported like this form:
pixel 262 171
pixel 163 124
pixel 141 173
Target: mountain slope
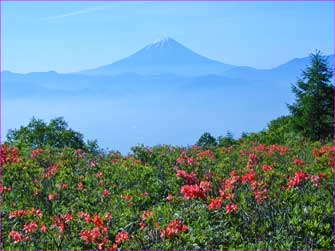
pixel 166 56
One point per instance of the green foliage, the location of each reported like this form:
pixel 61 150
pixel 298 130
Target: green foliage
pixel 226 141
pixel 313 111
pixel 297 216
pixel 38 134
pixel 206 140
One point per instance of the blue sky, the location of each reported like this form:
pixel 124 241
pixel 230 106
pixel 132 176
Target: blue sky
pixel 72 36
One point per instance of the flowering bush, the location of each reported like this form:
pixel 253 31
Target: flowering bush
pixel 250 196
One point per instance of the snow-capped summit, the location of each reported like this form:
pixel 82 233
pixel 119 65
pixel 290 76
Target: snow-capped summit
pixel 162 42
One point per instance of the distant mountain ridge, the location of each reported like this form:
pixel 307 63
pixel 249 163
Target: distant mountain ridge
pixel 162 63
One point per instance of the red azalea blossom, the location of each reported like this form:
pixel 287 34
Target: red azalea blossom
pixel 169 197
pixel 299 162
pixel 80 186
pixel 52 196
pixel 249 177
pixel 266 168
pixel 9 155
pixel 281 150
pixel 52 170
pixel 231 208
pixel 173 229
pixel 98 222
pixel 106 193
pixel 142 225
pixel 127 197
pixel 85 216
pixel 315 180
pixel 90 235
pixel 226 194
pixel 260 196
pixel 4 189
pixel 195 191
pixel 36 152
pixel 146 215
pixel 16 236
pixel 43 228
pixel 215 204
pixel 30 227
pixel 20 213
pixel 298 178
pixel 191 178
pixel 252 160
pixel 121 237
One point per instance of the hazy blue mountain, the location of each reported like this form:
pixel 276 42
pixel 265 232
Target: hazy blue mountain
pixel 166 56
pixel 283 73
pixel 164 93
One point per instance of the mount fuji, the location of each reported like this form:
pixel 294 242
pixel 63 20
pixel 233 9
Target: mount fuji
pixel 166 56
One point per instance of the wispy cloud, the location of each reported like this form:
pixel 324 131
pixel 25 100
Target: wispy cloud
pixel 77 13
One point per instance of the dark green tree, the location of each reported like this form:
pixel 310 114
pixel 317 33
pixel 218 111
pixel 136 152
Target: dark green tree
pixel 40 134
pixel 227 140
pixel 206 140
pixel 313 110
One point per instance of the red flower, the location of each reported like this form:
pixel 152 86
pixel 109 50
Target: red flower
pixel 215 204
pixel 298 178
pixel 52 170
pixel 142 225
pixel 266 168
pixel 5 189
pixel 121 237
pixel 127 197
pixel 90 235
pixel 249 177
pixel 85 216
pixel 43 228
pixel 36 152
pixel 191 178
pixel 16 236
pixel 173 229
pixel 106 193
pixel 30 227
pixel 260 196
pixel 18 213
pixel 9 155
pixel 192 192
pixel 67 217
pixel 80 186
pixel 169 197
pixel 52 196
pixel 98 222
pixel 231 208
pixel 146 215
